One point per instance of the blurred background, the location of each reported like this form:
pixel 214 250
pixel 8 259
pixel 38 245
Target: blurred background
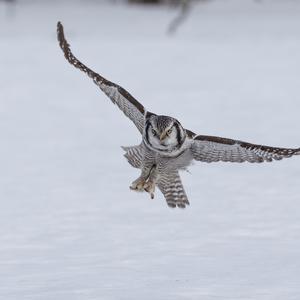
pixel 70 228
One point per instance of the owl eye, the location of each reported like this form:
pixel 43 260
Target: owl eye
pixel 153 132
pixel 169 131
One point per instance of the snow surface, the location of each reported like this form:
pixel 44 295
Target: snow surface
pixel 70 228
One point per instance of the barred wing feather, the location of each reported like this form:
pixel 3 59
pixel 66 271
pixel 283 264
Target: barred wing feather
pixel 134 110
pixel 214 149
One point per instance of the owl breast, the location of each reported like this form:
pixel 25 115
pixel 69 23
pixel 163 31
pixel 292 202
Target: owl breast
pixel 179 162
pixel 140 154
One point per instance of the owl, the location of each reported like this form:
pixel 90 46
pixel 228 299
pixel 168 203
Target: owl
pixel 166 146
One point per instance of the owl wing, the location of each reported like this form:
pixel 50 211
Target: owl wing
pixel 171 186
pixel 134 110
pixel 212 149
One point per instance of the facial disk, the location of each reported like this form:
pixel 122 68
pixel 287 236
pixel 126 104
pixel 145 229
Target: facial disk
pixel 164 133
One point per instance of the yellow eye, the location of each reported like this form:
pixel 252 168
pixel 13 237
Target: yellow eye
pixel 153 132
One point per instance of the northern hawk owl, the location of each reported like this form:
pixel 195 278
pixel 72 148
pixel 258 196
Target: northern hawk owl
pixel 166 146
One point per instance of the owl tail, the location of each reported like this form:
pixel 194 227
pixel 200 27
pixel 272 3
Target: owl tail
pixel 171 186
pixel 134 155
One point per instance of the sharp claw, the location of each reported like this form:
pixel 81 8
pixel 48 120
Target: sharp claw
pixel 138 185
pixel 149 187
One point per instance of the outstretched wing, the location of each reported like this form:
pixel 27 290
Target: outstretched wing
pixel 212 149
pixel 134 110
pixel 171 187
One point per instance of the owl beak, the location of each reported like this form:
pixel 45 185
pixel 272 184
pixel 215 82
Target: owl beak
pixel 162 136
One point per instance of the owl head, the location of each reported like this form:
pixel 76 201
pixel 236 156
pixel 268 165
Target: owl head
pixel 164 133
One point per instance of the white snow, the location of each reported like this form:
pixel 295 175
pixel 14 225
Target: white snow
pixel 70 228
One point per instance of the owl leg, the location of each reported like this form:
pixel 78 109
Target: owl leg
pixel 149 185
pixel 138 184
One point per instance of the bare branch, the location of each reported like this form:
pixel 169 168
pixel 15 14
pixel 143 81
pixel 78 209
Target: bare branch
pixel 185 6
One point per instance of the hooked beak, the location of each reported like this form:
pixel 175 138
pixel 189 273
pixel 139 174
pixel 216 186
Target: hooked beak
pixel 162 136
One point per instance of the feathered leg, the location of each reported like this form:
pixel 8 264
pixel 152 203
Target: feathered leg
pixel 146 182
pixel 141 184
pixel 149 185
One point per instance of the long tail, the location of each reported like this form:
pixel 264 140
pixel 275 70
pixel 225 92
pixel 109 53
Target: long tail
pixel 171 186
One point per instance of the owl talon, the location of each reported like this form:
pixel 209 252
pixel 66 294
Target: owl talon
pixel 138 185
pixel 149 187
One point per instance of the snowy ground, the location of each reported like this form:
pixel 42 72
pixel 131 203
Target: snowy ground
pixel 70 228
